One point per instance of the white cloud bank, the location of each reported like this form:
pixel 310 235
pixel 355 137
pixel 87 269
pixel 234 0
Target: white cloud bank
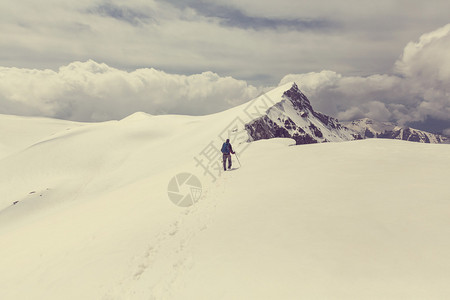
pixel 419 87
pixel 89 91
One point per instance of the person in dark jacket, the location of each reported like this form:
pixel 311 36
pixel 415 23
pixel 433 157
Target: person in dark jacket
pixel 227 150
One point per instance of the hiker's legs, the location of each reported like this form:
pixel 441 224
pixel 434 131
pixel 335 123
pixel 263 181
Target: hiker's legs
pixel 225 157
pixel 224 162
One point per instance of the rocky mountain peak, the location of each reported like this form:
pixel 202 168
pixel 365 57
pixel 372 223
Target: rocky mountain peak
pixel 298 99
pixel 294 117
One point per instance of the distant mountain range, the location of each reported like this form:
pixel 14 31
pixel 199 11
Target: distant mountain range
pixel 368 128
pixel 294 117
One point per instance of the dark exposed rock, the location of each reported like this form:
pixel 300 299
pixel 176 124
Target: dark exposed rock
pixel 264 128
pixel 303 139
pixel 298 99
pixel 368 134
pixel 315 130
pixel 389 134
pixel 328 121
pixel 289 124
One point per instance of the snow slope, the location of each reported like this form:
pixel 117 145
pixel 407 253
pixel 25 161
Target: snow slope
pixel 352 220
pixel 16 133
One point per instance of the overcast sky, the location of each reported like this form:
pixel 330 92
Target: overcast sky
pixel 95 60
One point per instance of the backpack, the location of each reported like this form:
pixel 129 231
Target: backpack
pixel 225 148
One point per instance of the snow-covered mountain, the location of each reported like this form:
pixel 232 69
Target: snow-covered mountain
pixel 368 128
pixel 294 117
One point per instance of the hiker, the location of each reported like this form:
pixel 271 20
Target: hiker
pixel 227 150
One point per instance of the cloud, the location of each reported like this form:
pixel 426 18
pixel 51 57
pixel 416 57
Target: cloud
pixel 133 16
pixel 233 17
pixel 89 91
pixel 427 57
pixel 311 82
pixel 446 132
pixel 189 39
pixel 418 89
pixel 257 41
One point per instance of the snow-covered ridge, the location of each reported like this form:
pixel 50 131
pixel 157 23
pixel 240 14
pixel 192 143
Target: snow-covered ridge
pixel 17 133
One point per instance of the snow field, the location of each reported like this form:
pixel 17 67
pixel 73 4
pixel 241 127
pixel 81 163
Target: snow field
pixel 353 220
